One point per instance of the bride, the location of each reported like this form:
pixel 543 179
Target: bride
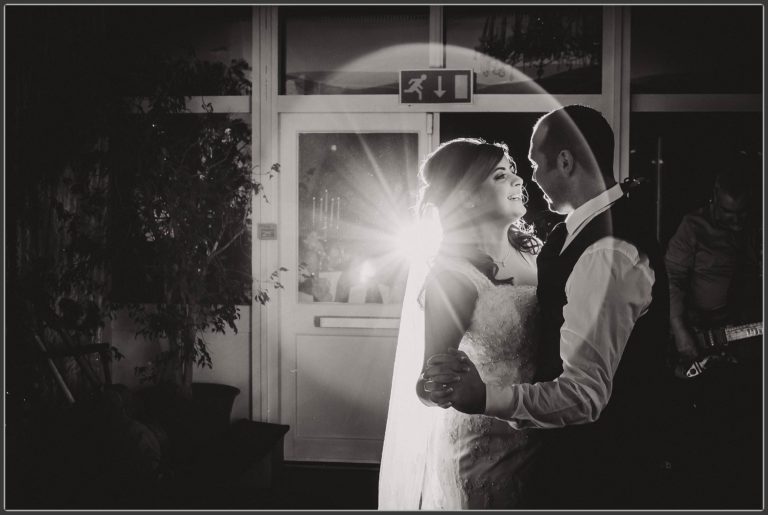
pixel 478 294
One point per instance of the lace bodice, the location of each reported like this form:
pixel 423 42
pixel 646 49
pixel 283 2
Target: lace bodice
pixel 499 340
pixel 503 327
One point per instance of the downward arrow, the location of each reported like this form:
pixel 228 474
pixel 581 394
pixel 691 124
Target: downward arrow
pixel 439 91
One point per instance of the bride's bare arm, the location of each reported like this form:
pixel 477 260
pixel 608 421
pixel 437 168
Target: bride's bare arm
pixel 449 302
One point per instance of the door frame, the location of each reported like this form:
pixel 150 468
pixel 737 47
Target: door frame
pixel 301 443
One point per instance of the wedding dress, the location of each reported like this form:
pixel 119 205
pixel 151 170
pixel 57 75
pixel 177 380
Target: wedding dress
pixel 444 459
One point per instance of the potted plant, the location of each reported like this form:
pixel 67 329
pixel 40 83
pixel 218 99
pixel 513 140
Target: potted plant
pixel 189 199
pixel 98 174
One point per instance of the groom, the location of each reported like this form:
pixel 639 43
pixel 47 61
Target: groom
pixel 603 302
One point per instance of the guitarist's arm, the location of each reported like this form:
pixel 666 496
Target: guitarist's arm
pixel 684 339
pixel 679 262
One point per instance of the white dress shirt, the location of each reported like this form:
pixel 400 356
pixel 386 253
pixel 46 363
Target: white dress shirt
pixel 608 290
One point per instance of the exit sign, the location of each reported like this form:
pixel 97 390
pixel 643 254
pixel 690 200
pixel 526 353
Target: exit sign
pixel 436 86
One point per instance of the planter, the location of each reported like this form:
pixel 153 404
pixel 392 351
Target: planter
pixel 190 422
pixel 212 407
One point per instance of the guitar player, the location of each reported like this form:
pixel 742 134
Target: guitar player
pixel 713 268
pixel 715 280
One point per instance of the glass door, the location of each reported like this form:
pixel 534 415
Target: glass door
pixel 347 184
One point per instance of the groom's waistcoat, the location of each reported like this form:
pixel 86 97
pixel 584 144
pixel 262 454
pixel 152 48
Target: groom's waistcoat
pixel 640 365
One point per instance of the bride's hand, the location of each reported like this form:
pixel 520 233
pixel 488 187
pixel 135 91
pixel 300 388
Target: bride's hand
pixel 452 380
pixel 433 390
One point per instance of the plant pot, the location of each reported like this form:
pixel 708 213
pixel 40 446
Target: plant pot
pixel 190 421
pixel 213 405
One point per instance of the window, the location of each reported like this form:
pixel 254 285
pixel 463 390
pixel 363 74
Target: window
pixel 143 39
pixel 342 51
pixel 693 148
pixel 697 49
pixel 696 72
pixel 527 49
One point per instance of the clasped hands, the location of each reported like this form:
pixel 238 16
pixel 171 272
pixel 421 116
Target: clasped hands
pixel 450 379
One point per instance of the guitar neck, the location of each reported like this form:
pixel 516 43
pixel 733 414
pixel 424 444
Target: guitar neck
pixel 741 332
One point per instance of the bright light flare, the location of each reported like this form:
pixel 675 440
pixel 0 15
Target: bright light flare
pixel 418 241
pixel 367 271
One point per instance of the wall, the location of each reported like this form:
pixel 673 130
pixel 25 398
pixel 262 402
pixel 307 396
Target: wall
pixel 230 354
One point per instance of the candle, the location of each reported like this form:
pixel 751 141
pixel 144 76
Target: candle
pixel 313 211
pixel 338 212
pixel 326 205
pixel 325 213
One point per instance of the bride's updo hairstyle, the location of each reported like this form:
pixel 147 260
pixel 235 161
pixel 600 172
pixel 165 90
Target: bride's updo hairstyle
pixel 454 170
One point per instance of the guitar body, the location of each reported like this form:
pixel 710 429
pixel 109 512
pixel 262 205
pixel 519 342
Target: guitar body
pixel 717 345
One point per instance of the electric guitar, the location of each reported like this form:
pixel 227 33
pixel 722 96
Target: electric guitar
pixel 714 342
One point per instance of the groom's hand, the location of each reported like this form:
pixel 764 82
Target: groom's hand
pixel 453 381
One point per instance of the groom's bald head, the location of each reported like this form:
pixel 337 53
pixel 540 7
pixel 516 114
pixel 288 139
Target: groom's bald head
pixel 581 130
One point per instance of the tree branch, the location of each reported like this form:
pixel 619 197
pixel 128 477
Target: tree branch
pixel 224 247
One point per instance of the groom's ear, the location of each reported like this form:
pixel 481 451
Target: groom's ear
pixel 565 162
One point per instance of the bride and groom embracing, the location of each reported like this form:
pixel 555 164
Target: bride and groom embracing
pixel 545 358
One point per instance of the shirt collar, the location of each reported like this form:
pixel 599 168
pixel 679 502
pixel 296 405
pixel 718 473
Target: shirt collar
pixel 592 207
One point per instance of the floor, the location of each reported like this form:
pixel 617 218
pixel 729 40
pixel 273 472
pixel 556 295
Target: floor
pixel 306 486
pixel 328 486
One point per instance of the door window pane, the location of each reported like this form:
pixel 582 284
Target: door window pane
pixel 527 49
pixel 697 49
pixel 355 191
pixel 347 50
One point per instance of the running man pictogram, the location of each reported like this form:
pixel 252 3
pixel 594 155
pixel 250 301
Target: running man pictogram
pixel 415 85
